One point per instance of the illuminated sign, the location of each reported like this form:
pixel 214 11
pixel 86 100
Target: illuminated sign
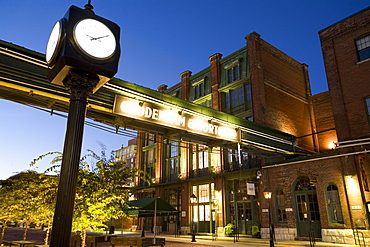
pixel 157 114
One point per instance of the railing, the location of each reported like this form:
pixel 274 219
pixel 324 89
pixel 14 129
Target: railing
pixel 359 238
pixel 311 235
pixel 236 234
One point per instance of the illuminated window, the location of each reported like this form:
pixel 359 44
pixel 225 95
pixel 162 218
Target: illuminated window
pixel 363 47
pixel 280 204
pixel 333 204
pixel 203 193
pixel 202 209
pixel 173 197
pixel 200 157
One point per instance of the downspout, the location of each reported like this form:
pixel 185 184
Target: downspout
pixel 347 201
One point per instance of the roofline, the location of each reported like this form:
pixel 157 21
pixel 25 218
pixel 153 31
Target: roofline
pixel 363 10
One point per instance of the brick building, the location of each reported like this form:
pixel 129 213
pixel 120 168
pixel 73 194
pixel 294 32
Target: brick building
pixel 258 83
pixel 320 191
pixel 328 194
pixel 127 155
pixel 262 98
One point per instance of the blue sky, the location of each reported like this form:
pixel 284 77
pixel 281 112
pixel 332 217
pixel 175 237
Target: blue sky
pixel 159 40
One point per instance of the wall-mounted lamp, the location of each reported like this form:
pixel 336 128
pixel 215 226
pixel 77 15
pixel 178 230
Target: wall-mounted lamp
pixel 141 103
pixel 259 174
pixel 180 112
pixel 267 194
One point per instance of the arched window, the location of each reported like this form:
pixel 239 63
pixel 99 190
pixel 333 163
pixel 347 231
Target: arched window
pixel 280 206
pixel 333 204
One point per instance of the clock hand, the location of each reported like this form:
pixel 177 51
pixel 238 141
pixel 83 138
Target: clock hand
pixel 100 37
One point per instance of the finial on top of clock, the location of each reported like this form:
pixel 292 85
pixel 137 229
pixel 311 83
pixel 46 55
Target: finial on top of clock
pixel 89 7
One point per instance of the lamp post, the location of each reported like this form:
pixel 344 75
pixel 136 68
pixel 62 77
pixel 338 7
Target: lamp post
pixel 193 200
pixel 82 65
pixel 267 193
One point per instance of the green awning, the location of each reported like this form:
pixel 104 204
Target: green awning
pixel 147 208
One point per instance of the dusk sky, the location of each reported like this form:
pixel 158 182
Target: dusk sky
pixel 160 39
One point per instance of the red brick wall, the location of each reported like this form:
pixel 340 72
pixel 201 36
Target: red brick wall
pixel 324 121
pixel 348 79
pixel 280 90
pixel 324 171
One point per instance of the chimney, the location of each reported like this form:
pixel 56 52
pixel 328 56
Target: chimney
pixel 185 84
pixel 162 88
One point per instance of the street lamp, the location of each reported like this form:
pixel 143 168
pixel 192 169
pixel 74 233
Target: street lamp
pixel 267 193
pixel 193 200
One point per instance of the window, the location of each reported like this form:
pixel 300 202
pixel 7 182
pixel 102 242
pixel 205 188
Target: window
pixel 203 193
pixel 367 102
pixel 227 100
pixel 207 103
pixel 333 203
pixel 173 197
pixel 149 161
pixel 172 159
pixel 200 157
pixel 202 208
pixel 149 139
pixel 363 47
pixel 234 97
pixel 233 74
pixel 232 160
pixel 199 90
pixel 280 203
pixel 248 94
pixel 237 98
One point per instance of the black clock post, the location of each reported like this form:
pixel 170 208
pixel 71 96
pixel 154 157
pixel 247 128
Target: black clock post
pixel 82 71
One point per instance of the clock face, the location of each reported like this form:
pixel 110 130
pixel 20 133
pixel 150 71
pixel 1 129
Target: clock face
pixel 54 41
pixel 94 38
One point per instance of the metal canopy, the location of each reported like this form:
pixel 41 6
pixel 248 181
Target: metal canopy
pixel 23 80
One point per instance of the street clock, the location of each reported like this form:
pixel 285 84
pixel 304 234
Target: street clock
pixel 84 42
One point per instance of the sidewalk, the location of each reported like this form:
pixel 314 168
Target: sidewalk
pixel 185 240
pixel 180 241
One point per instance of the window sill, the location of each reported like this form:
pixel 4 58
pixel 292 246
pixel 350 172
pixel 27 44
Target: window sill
pixel 363 61
pixel 336 225
pixel 282 223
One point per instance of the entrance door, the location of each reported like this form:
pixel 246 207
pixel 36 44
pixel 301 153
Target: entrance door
pixel 245 217
pixel 307 209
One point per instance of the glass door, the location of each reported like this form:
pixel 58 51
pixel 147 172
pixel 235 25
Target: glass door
pixel 308 215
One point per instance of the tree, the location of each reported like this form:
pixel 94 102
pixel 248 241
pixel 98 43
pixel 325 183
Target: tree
pixel 101 194
pixel 8 206
pixel 28 198
pixel 101 191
